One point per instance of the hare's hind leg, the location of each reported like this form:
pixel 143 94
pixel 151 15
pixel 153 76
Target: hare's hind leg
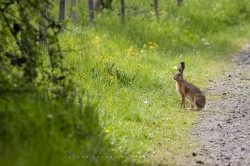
pixel 200 102
pixel 191 106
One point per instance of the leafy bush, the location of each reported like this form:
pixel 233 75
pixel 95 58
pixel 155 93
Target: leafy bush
pixel 43 121
pixel 28 32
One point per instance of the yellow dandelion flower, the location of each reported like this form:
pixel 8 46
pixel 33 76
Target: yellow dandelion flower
pixel 175 40
pixel 96 40
pixel 151 47
pixel 107 131
pixel 130 51
pixel 168 119
pixel 144 45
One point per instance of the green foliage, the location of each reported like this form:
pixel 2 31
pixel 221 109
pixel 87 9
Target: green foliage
pixel 43 122
pixel 106 3
pixel 28 32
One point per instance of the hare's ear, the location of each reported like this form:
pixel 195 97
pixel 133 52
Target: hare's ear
pixel 181 67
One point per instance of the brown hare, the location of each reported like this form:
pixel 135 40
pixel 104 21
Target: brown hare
pixel 189 91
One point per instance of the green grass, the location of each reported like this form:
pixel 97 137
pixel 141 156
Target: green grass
pixel 126 70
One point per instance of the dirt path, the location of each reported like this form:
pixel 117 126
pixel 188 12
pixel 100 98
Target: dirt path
pixel 224 132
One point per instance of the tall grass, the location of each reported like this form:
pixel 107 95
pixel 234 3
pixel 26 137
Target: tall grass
pixel 126 71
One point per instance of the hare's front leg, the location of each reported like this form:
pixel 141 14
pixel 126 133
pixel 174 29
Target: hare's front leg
pixel 183 102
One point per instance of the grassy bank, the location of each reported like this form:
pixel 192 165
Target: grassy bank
pixel 126 70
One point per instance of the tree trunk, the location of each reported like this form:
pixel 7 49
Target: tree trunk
pixel 179 2
pixel 123 10
pixel 62 6
pixel 156 8
pixel 73 11
pixel 91 11
pixel 43 31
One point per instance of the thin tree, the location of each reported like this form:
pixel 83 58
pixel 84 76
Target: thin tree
pixel 73 11
pixel 179 2
pixel 91 11
pixel 123 10
pixel 43 24
pixel 156 8
pixel 62 6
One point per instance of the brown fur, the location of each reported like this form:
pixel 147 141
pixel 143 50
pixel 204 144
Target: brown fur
pixel 188 91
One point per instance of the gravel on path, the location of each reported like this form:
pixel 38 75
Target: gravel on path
pixel 224 131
